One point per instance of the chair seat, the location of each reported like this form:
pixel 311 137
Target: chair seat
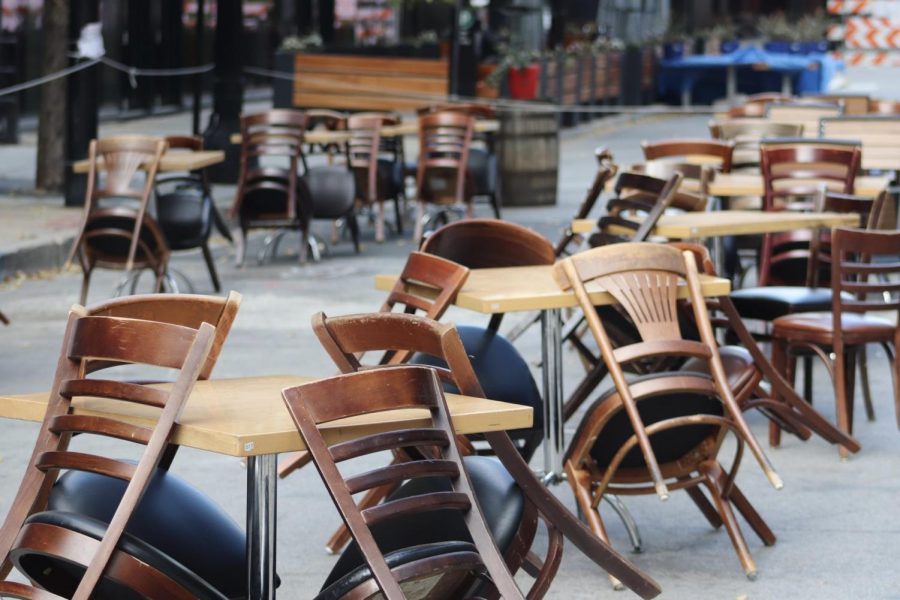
pixel 736 360
pixel 819 328
pixel 185 217
pixel 340 588
pixel 668 445
pixel 332 190
pixel 482 169
pixel 769 303
pixel 173 517
pixel 62 576
pixel 502 372
pixel 498 494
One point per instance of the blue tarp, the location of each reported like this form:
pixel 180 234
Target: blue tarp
pixel 705 75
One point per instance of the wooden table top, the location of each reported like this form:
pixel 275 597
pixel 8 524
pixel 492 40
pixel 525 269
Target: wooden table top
pixel 751 184
pixel 247 416
pixel 177 160
pixel 323 136
pixel 734 222
pixel 513 289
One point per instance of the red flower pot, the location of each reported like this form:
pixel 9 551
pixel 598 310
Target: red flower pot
pixel 523 83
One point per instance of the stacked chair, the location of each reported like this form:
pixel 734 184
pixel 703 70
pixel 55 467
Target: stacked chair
pixel 117 232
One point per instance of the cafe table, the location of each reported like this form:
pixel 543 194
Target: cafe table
pixel 247 418
pixel 326 136
pixel 171 161
pixel 515 289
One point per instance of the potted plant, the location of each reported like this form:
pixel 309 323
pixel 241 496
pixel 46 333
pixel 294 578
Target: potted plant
pixel 812 31
pixel 676 41
pixel 721 39
pixel 778 33
pixel 518 67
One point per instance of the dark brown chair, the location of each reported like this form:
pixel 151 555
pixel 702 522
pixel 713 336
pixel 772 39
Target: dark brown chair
pixel 718 152
pixel 73 555
pixel 662 431
pixel 374 162
pixel 490 244
pixel 438 570
pixel 123 237
pixel 445 139
pixel 860 285
pixel 270 197
pixel 884 107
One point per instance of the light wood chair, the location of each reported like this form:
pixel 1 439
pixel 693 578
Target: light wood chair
pixel 123 236
pixel 806 113
pixel 747 134
pixel 64 553
pixel 662 431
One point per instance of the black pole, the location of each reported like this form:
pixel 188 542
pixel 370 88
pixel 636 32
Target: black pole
pixel 463 61
pixel 81 106
pixel 228 90
pixel 199 31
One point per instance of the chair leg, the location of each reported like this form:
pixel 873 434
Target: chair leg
pixel 494 323
pixel 714 475
pixel 211 265
pixel 85 284
pixel 495 204
pixel 292 462
pixel 581 486
pixel 398 214
pixel 709 511
pixel 862 361
pixel 752 517
pixel 779 362
pixel 379 222
pixel 808 378
pixel 353 225
pixel 840 396
pixel 851 386
pixel 242 247
pixel 420 215
pixel 304 243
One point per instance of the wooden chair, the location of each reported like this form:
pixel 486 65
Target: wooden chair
pixel 270 197
pixel 444 570
pixel 326 120
pixel 374 162
pixel 445 139
pixel 714 152
pixel 428 284
pixel 884 107
pixel 489 244
pixel 854 104
pixel 876 133
pixel 4 319
pixel 859 285
pixel 346 337
pixel 686 414
pixel 121 237
pixel 806 113
pixel 185 209
pixel 73 555
pixel 747 111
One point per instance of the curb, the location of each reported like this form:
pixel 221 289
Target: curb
pixel 50 254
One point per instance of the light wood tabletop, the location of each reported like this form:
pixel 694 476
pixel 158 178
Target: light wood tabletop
pixel 177 160
pixel 695 225
pixel 512 289
pixel 247 416
pixel 324 136
pixel 751 184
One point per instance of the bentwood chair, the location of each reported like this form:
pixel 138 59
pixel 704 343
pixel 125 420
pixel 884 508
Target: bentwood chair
pixel 268 196
pixel 122 546
pixel 482 164
pixel 375 162
pixel 117 232
pixel 662 431
pixel 860 285
pixel 185 209
pixel 445 139
pixel 435 570
pixel 490 244
pixel 421 273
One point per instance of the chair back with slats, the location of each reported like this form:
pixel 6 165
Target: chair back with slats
pixel 323 119
pixel 877 134
pixel 793 168
pixel 365 148
pixel 806 113
pixel 854 104
pixel 114 340
pixel 387 390
pixel 606 170
pixel 644 280
pixel 636 194
pixel 884 107
pixel 747 134
pixel 444 142
pixel 718 153
pixel 856 270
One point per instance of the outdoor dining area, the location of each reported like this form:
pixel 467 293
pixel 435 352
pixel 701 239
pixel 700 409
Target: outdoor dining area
pixel 700 290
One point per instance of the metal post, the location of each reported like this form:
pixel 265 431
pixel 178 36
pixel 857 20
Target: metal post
pixel 554 440
pixel 228 90
pixel 262 480
pixel 81 105
pixel 199 35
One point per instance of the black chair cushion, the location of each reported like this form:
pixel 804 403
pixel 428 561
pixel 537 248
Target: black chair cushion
pixel 503 373
pixel 185 217
pixel 498 495
pixel 391 177
pixel 482 170
pixel 332 189
pixel 769 303
pixel 736 360
pixel 62 577
pixel 668 445
pixel 173 517
pixel 116 245
pixel 361 574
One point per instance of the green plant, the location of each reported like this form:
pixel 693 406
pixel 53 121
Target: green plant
pixel 776 28
pixel 511 57
pixel 812 28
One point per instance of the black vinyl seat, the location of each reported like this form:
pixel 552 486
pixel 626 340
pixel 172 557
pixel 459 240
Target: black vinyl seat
pixel 197 533
pixel 482 172
pixel 500 499
pixel 770 302
pixel 668 445
pixel 61 577
pixel 332 191
pixel 504 375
